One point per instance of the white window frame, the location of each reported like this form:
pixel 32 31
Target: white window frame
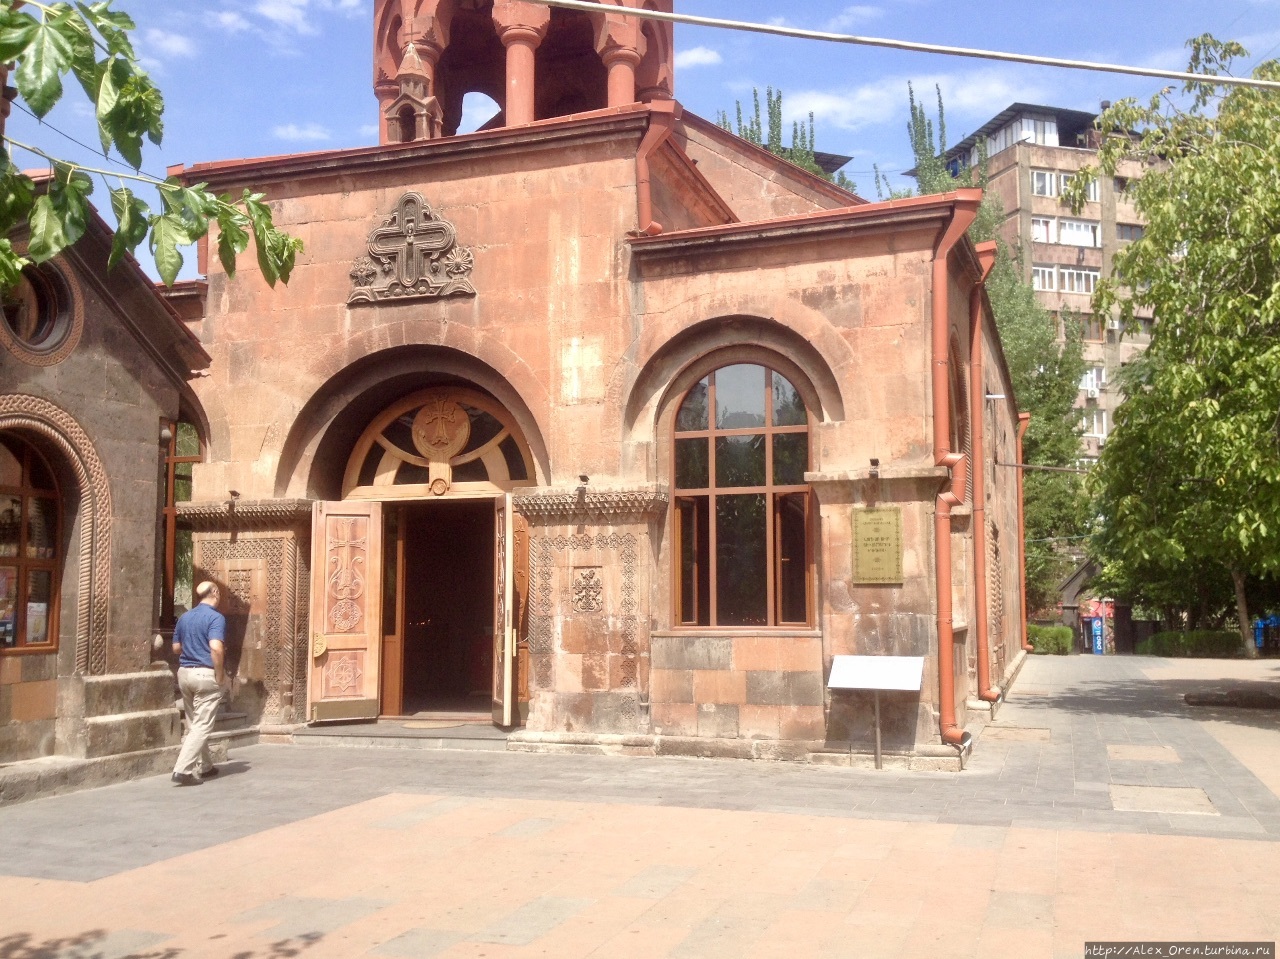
pixel 1095 378
pixel 1080 280
pixel 1049 234
pixel 1094 422
pixel 1091 194
pixel 1087 233
pixel 1047 179
pixel 1044 278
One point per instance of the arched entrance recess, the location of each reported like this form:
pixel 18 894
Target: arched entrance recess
pixel 30 415
pixel 420 570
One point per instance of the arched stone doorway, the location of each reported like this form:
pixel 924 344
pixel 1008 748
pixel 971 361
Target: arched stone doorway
pixel 420 571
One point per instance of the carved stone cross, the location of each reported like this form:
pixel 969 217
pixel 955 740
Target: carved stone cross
pixel 413 255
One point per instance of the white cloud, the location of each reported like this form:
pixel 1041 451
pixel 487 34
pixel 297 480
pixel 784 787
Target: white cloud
pixel 697 57
pixel 296 14
pixel 979 94
pixel 853 16
pixel 169 44
pixel 230 21
pixel 369 130
pixel 307 132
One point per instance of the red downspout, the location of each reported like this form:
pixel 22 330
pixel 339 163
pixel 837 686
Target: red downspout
pixel 977 428
pixel 966 209
pixel 1024 420
pixel 662 120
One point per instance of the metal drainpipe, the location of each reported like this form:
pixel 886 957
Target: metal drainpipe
pixel 662 120
pixel 965 210
pixel 987 692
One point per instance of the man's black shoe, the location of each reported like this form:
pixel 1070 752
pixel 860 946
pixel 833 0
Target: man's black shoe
pixel 207 773
pixel 185 779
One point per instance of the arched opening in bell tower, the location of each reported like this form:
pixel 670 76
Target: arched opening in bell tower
pixel 571 77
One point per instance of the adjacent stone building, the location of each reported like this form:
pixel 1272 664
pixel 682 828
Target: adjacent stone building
pixel 94 370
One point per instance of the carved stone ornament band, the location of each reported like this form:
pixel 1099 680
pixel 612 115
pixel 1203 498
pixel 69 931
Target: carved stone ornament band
pixel 601 503
pixel 414 255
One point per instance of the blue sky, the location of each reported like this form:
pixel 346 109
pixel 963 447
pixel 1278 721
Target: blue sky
pixel 261 77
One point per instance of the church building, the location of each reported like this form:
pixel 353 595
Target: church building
pixel 599 423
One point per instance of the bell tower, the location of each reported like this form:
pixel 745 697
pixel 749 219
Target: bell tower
pixel 536 61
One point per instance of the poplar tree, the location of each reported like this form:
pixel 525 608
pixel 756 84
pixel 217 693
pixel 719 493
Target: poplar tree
pixel 766 131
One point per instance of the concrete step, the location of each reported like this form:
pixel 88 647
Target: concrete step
pixel 403 734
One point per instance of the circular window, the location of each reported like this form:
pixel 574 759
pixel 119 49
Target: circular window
pixel 41 318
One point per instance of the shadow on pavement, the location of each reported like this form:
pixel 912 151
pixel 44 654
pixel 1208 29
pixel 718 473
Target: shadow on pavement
pixel 97 944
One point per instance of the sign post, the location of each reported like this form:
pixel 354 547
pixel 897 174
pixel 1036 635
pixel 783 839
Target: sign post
pixel 876 673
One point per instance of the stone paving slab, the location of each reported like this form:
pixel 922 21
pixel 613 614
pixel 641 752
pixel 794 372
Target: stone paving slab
pixel 341 852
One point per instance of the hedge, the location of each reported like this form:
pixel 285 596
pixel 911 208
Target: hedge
pixel 1198 644
pixel 1052 640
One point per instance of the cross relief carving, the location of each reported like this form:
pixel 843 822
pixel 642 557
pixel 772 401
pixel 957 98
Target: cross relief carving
pixel 413 255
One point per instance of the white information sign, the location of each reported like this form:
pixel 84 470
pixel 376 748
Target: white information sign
pixel 876 672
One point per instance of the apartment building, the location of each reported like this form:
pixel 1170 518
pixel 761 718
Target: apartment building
pixel 1032 154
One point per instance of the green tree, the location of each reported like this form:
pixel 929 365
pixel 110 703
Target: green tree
pixel 1045 369
pixel 45 44
pixel 753 129
pixel 1190 477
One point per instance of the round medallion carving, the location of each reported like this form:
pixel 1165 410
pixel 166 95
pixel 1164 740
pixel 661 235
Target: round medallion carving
pixel 345 615
pixel 441 429
pixel 439 487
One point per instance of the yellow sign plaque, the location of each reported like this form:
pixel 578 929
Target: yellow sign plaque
pixel 877 546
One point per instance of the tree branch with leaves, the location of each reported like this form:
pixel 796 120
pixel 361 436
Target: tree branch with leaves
pixel 44 45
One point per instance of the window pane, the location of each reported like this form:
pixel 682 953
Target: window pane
pixel 695 565
pixel 792 560
pixel 39 476
pixel 188 440
pixel 693 413
pixel 42 528
pixel 740 460
pixel 183 568
pixel 742 576
pixel 8 606
pixel 790 458
pixel 10 524
pixel 515 460
pixel 182 482
pixel 788 408
pixel 39 594
pixel 691 464
pixel 739 397
pixel 10 464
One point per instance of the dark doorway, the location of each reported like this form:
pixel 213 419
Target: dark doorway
pixel 448 597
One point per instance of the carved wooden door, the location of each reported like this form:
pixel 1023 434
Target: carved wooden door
pixel 504 640
pixel 346 611
pixel 520 615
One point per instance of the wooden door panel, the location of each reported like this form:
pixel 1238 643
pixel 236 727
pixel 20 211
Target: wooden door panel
pixel 346 611
pixel 503 612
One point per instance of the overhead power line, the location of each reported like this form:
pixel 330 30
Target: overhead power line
pixel 592 7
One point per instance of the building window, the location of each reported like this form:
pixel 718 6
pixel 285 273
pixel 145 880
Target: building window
pixel 30 549
pixel 1042 230
pixel 1128 232
pixel 1091 328
pixel 1094 379
pixel 1120 184
pixel 1094 422
pixel 1043 132
pixel 1044 278
pixel 1044 183
pixel 741 513
pixel 1079 233
pixel 1091 192
pixel 185 449
pixel 1075 280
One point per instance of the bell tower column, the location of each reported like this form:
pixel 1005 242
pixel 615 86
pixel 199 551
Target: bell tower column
pixel 521 27
pixel 621 45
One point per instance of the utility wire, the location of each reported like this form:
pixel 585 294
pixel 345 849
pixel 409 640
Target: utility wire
pixel 591 6
pixel 94 150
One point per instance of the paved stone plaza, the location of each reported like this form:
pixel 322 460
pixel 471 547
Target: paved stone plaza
pixel 1097 806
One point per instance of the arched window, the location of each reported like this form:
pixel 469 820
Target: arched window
pixel 30 549
pixel 741 518
pixel 184 450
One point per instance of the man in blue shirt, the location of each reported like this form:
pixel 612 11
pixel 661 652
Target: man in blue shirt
pixel 199 641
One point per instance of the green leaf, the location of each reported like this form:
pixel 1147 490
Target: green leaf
pixel 17 194
pixel 48 56
pixel 47 238
pixel 69 191
pixel 167 234
pixel 233 235
pixel 133 219
pixel 11 265
pixel 17 30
